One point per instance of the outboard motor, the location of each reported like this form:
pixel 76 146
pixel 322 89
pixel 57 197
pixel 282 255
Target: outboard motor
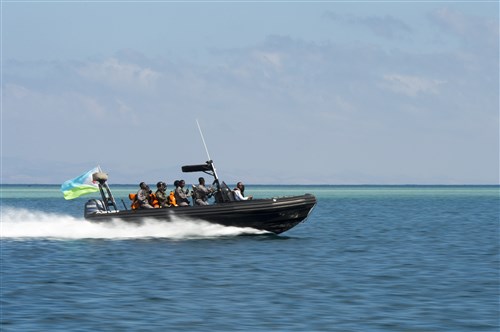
pixel 94 206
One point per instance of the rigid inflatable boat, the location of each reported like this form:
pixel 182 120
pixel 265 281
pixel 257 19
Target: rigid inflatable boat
pixel 276 215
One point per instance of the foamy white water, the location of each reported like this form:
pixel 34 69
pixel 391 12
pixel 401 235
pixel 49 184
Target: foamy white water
pixel 16 223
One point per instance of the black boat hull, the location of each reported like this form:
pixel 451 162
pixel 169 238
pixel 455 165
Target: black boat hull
pixel 275 215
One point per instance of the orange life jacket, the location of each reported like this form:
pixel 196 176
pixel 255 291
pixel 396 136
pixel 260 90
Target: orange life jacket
pixel 135 203
pixel 153 200
pixel 171 199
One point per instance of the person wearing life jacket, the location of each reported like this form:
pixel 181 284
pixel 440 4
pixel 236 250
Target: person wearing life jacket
pixel 171 199
pixel 135 203
pixel 239 192
pixel 181 196
pixel 161 194
pixel 143 196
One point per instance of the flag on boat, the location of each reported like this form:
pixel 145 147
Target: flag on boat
pixel 81 185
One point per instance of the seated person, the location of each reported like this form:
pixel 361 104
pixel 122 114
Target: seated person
pixel 239 192
pixel 161 195
pixel 181 196
pixel 143 196
pixel 202 193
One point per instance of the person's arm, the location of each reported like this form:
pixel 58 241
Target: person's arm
pixel 238 196
pixel 141 195
pixel 180 192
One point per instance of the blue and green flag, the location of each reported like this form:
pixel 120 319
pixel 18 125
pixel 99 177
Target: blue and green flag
pixel 81 185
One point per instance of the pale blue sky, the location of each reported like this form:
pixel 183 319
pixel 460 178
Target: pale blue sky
pixel 372 92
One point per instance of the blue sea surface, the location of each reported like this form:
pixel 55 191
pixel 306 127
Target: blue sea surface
pixel 369 258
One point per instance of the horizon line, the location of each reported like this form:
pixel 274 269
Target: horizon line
pixel 295 184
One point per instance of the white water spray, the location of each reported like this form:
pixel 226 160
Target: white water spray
pixel 20 223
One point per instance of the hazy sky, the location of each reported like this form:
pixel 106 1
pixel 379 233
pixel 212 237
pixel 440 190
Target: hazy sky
pixel 368 92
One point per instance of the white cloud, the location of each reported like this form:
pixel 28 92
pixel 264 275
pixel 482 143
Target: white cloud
pixel 383 26
pixel 271 58
pixel 120 75
pixel 91 106
pixel 35 104
pixel 475 32
pixel 125 110
pixel 411 85
pixel 16 91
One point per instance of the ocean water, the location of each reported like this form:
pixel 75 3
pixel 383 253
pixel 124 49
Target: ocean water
pixel 369 258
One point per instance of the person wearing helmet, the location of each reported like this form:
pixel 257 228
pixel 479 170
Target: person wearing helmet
pixel 143 196
pixel 161 194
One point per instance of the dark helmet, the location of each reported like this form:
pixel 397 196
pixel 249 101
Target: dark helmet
pixel 161 184
pixel 176 183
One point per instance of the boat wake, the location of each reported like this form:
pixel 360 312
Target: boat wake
pixel 20 224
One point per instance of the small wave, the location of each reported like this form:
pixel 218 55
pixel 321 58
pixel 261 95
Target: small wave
pixel 20 223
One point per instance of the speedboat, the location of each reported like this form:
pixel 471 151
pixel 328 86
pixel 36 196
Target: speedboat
pixel 275 215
